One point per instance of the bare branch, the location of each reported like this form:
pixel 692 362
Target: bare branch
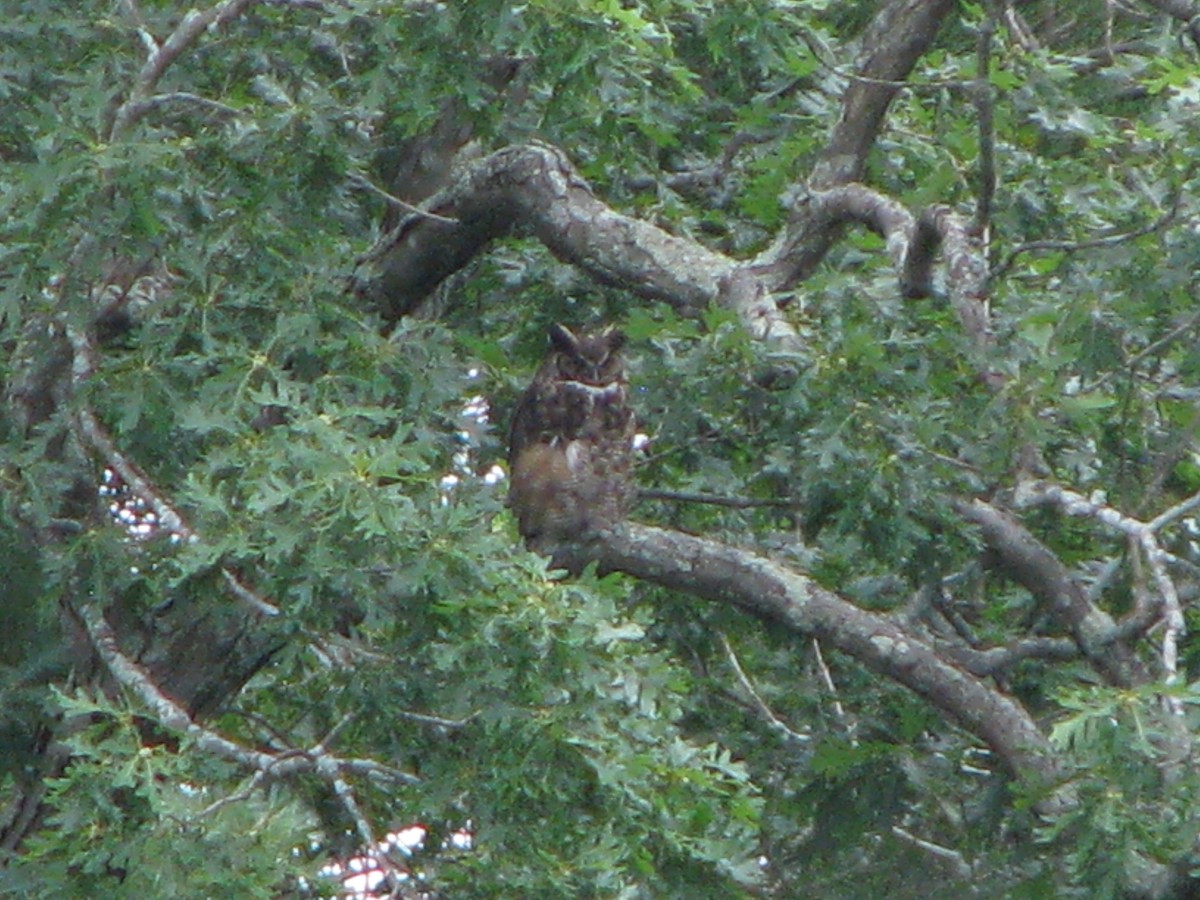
pixel 827 679
pixel 395 202
pixel 168 713
pixel 251 598
pixel 892 44
pixel 255 782
pixel 819 214
pixel 756 700
pixel 1032 564
pixel 966 277
pixel 962 868
pixel 717 572
pixel 328 770
pixel 945 607
pixel 1019 30
pixel 1073 504
pixel 137 110
pixel 1165 518
pixel 1184 11
pixel 161 56
pixel 437 721
pixel 997 660
pixel 983 97
pixel 95 435
pixel 912 246
pixel 533 188
pixel 715 499
pixel 1149 350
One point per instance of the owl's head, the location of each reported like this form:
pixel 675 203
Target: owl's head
pixel 592 358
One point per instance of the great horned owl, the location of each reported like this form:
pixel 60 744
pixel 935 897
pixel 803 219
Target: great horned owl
pixel 571 444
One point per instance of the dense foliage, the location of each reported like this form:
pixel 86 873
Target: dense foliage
pixel 183 228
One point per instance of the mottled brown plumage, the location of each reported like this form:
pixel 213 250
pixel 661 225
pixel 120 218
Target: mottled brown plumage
pixel 571 443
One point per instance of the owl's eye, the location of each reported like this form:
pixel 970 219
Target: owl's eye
pixel 570 366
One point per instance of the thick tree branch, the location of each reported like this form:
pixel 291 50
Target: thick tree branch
pixel 892 44
pixel 1143 537
pixel 723 574
pixel 998 660
pixel 534 189
pixel 265 765
pixel 966 280
pixel 716 500
pixel 1032 565
pixel 913 246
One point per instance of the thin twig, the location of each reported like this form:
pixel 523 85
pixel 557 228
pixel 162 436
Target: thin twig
pixel 438 721
pixel 1108 240
pixel 756 699
pixel 714 499
pixel 1170 337
pixel 827 677
pixel 138 109
pixel 254 600
pixel 961 867
pixel 252 785
pixel 392 200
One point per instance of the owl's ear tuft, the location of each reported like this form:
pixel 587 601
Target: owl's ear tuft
pixel 615 338
pixel 562 338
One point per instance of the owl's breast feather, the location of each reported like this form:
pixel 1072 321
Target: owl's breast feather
pixel 576 453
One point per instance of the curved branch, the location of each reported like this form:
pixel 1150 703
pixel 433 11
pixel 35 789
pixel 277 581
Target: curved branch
pixel 1032 565
pixel 1142 536
pixel 966 278
pixel 190 28
pixel 998 660
pixel 912 244
pixel 534 189
pixel 168 713
pixel 723 574
pixel 892 44
pixel 1164 221
pixel 896 39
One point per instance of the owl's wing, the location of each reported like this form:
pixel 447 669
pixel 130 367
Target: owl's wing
pixel 527 425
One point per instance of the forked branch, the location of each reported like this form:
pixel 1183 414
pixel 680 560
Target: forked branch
pixel 720 573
